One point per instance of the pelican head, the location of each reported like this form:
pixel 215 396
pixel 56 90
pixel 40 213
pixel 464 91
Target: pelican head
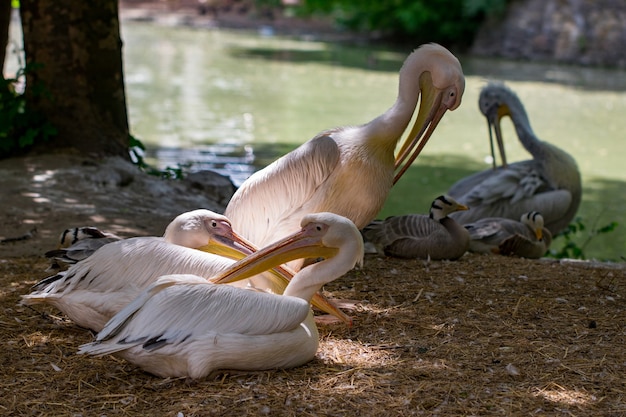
pixel 323 235
pixel 207 231
pixel 495 102
pixel 534 220
pixel 441 85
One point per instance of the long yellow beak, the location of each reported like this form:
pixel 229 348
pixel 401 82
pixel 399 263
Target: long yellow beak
pixel 232 245
pixel 431 110
pixel 494 121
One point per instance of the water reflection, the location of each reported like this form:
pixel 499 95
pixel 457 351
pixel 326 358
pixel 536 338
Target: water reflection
pixel 234 161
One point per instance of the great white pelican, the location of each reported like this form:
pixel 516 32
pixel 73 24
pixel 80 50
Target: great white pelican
pixel 549 182
pixel 350 170
pixel 91 291
pixel 184 326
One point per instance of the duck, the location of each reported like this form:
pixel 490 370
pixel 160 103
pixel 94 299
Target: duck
pixel 527 238
pixel 434 236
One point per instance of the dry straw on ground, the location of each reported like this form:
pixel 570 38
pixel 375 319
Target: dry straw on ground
pixel 479 336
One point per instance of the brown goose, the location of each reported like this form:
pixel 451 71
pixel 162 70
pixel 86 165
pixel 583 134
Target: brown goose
pixel 549 182
pixel 525 238
pixel 435 236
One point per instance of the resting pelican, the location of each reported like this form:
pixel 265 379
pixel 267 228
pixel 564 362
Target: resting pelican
pixel 93 290
pixel 192 229
pixel 435 236
pixel 526 238
pixel 202 327
pixel 350 170
pixel 549 183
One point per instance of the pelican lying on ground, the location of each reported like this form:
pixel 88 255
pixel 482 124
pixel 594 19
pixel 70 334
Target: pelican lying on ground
pixel 350 170
pixel 549 183
pixel 435 236
pixel 526 238
pixel 203 327
pixel 93 290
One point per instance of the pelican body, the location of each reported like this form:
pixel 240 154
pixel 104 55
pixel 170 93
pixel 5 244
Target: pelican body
pixel 350 170
pixel 434 236
pixel 549 182
pixel 184 326
pixel 94 289
pixel 525 238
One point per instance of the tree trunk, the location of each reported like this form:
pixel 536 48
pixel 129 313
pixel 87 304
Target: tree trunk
pixel 74 55
pixel 5 20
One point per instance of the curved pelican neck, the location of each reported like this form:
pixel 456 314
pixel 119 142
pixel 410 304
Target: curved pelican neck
pixel 311 278
pixel 392 124
pixel 521 122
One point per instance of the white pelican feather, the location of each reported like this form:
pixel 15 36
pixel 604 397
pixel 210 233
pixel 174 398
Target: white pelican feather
pixel 350 170
pixel 183 325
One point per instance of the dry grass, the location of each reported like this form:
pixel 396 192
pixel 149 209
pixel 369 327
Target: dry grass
pixel 480 336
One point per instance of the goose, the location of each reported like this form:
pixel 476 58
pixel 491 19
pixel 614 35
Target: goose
pixel 434 236
pixel 525 238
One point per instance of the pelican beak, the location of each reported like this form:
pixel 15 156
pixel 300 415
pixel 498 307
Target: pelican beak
pixel 236 247
pixel 539 233
pixel 461 207
pixel 493 120
pixel 296 246
pixel 228 244
pixel 432 108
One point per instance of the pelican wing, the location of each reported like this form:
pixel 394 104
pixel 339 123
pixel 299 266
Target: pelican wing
pixel 509 192
pixel 287 184
pixel 179 308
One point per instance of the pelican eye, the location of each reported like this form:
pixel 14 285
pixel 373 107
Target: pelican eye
pixel 213 223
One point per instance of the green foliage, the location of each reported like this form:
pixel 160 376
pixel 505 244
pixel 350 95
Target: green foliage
pixel 571 249
pixel 137 149
pixel 21 127
pixel 443 21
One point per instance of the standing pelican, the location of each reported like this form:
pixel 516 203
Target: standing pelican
pixel 526 238
pixel 549 183
pixel 350 170
pixel 202 327
pixel 435 236
pixel 93 290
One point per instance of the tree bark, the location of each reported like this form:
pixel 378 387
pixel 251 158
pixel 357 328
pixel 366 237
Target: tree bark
pixel 74 74
pixel 5 21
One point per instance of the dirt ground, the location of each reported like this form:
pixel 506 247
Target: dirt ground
pixel 483 335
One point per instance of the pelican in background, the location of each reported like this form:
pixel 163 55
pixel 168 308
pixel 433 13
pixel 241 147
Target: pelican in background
pixel 203 327
pixel 549 183
pixel 435 236
pixel 526 238
pixel 350 170
pixel 93 290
